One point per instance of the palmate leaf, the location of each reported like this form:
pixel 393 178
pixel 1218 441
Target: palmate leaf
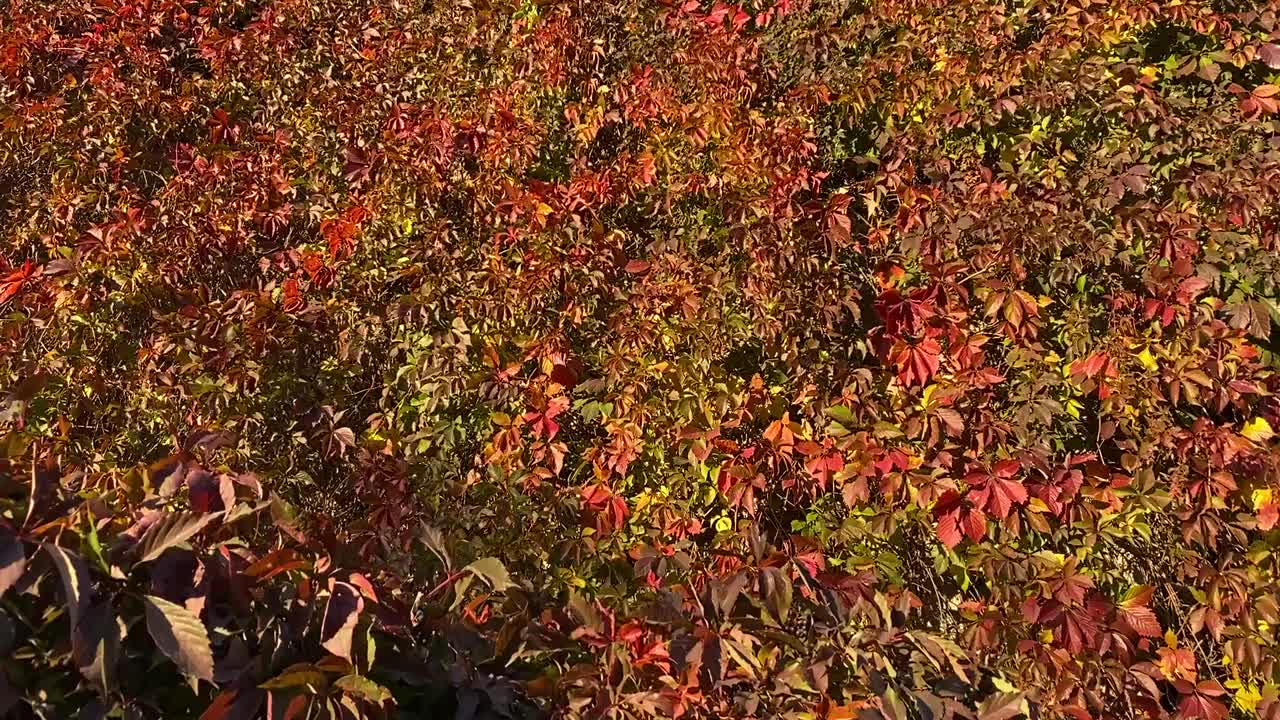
pixel 180 636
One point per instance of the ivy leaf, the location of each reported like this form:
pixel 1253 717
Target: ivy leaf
pixel 75 580
pixel 492 571
pixel 1004 706
pixel 340 617
pixel 1141 620
pixel 170 530
pixel 180 636
pixel 958 518
pixel 13 562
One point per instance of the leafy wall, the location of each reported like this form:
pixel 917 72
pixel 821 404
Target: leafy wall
pixel 808 359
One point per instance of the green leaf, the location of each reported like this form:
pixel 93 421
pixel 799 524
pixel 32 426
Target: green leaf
pixel 301 675
pixel 363 688
pixel 180 636
pixel 492 571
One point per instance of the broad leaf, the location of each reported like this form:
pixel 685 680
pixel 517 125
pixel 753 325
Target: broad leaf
pixel 180 636
pixel 170 530
pixel 776 591
pixel 75 580
pixel 492 571
pixel 95 644
pixel 364 688
pixel 340 617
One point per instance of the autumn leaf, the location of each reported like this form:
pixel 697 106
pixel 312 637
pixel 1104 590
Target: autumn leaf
pixel 916 363
pixel 1200 704
pixel 1269 53
pixel 957 518
pixel 12 284
pixel 1135 614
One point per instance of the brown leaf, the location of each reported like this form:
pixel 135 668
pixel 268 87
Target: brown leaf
pixel 95 644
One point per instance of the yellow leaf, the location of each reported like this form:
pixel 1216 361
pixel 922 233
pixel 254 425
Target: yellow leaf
pixel 1258 430
pixel 1261 497
pixel 1248 697
pixel 1148 360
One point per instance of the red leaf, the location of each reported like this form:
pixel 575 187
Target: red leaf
pixel 957 518
pixel 998 493
pixel 1198 706
pixel 1141 621
pixel 917 363
pixel 12 283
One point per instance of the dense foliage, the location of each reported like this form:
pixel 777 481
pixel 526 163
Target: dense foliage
pixel 805 359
